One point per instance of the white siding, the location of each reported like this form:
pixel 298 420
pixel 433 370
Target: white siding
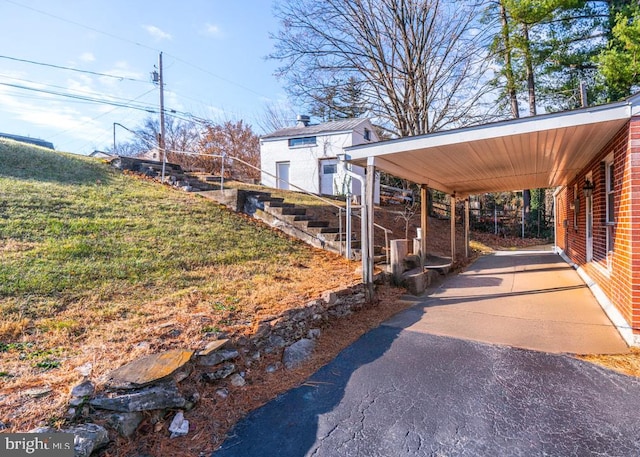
pixel 304 172
pixel 305 160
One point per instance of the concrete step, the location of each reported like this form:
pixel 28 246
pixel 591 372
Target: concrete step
pixel 324 231
pixel 275 203
pixel 293 211
pixel 264 197
pixel 314 224
pixel 294 218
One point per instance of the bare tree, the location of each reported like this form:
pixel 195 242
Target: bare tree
pixel 420 65
pixel 234 140
pixel 181 136
pixel 276 116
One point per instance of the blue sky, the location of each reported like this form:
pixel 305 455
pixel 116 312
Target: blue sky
pixel 213 54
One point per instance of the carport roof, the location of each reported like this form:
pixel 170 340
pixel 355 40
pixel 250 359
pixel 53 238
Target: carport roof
pixel 528 153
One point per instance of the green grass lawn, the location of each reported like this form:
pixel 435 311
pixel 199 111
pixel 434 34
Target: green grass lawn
pixel 71 226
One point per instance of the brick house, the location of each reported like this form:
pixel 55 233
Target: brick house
pixel 591 156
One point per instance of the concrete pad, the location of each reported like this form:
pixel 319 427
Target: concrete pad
pixel 526 299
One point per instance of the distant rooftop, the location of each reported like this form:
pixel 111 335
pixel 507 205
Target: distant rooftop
pixel 27 139
pixel 343 125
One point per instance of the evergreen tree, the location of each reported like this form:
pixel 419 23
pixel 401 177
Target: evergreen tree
pixel 620 61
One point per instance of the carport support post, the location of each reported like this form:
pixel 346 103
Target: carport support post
pixel 368 243
pixel 466 228
pixel 424 222
pixel 452 212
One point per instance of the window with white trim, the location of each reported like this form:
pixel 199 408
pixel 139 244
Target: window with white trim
pixel 609 203
pixel 303 141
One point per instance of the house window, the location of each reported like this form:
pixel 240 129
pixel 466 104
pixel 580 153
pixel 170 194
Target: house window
pixel 610 200
pixel 367 134
pixel 330 169
pixel 610 192
pixel 305 141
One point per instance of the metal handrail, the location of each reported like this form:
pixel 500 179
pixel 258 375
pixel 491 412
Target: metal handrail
pixel 317 197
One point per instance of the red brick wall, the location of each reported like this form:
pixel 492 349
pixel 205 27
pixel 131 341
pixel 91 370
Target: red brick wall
pixel 621 283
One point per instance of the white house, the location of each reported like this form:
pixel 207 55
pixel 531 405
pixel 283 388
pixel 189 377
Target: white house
pixel 305 157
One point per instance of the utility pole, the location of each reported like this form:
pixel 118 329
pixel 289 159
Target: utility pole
pixel 162 143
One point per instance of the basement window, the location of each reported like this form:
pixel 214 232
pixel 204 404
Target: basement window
pixel 304 141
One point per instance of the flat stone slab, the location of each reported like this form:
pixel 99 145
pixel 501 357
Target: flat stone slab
pixel 213 346
pixel 218 357
pixel 147 399
pixel 148 369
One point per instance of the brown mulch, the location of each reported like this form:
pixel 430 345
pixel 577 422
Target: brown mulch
pixel 214 416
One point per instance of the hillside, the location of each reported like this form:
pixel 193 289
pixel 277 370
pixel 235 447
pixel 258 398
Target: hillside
pixel 100 267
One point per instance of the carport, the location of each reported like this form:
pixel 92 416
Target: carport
pixel 553 150
pixel 534 152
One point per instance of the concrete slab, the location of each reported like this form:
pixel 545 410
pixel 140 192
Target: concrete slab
pixel 527 299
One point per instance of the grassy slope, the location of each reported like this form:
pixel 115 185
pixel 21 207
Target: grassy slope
pixel 94 262
pixel 74 224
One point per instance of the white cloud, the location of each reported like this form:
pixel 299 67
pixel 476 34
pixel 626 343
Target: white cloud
pixel 52 114
pixel 123 70
pixel 87 57
pixel 172 101
pixel 157 33
pixel 81 83
pixel 211 30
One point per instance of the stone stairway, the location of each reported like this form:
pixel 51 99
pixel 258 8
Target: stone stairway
pixel 174 174
pixel 294 221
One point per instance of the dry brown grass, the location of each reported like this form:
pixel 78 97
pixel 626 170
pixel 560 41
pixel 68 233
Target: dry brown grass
pixel 112 334
pixel 117 322
pixel 214 416
pixel 628 364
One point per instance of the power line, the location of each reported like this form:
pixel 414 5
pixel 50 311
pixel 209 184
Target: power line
pixel 93 29
pixel 111 97
pixel 121 78
pixel 103 114
pixel 81 97
pixel 113 101
pixel 81 25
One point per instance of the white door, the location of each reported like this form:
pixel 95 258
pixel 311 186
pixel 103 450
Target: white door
pixel 328 173
pixel 589 231
pixel 282 175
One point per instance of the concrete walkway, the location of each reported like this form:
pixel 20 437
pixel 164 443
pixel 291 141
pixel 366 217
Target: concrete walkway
pixel 526 299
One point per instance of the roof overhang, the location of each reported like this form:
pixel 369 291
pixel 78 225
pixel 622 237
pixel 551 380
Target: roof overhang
pixel 528 153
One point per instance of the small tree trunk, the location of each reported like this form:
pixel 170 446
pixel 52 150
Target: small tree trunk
pixel 508 67
pixel 531 85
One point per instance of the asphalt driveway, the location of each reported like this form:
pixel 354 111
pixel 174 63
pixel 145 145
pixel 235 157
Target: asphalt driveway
pixel 401 390
pixel 398 393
